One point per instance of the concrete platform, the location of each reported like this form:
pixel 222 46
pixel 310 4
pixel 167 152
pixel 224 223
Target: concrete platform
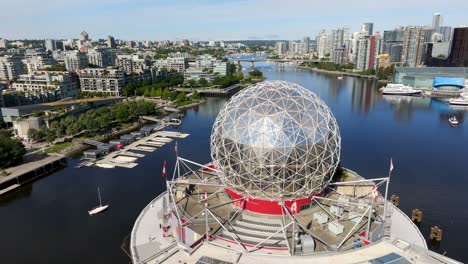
pixel 172 134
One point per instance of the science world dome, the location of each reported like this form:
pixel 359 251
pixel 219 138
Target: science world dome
pixel 277 141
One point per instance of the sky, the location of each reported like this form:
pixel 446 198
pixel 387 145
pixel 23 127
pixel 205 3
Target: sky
pixel 214 19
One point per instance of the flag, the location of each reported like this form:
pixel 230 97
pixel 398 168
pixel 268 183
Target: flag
pixel 375 194
pixel 294 208
pixel 206 199
pixel 164 169
pixel 175 148
pixel 391 165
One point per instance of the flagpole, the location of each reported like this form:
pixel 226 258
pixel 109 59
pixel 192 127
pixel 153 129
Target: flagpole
pixel 386 190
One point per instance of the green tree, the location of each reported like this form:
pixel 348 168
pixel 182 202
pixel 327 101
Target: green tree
pixel 147 92
pixel 153 92
pixel 33 134
pixel 11 150
pixel 195 94
pixel 232 68
pixel 166 93
pixel 121 113
pixel 159 92
pixel 58 67
pixel 192 82
pixel 181 97
pixel 256 73
pixel 203 82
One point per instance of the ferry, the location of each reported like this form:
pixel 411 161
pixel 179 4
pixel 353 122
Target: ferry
pixel 462 100
pixel 399 89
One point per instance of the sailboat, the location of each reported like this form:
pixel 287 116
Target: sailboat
pixel 100 208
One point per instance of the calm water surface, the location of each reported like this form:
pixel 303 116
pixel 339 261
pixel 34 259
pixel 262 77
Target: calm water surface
pixel 47 222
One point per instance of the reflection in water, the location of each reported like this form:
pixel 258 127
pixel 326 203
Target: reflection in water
pixel 24 191
pixel 364 95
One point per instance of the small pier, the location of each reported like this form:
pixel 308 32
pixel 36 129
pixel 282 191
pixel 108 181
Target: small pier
pixel 24 173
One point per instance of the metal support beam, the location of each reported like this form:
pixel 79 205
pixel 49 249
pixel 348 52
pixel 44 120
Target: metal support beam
pixel 352 229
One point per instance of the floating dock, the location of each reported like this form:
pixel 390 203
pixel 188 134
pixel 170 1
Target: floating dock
pixel 126 157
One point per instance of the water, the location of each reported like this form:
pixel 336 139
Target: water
pixel 47 222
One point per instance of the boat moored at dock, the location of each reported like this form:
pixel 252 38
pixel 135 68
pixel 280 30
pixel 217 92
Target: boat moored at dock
pixel 399 89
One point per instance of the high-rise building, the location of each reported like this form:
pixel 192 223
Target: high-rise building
pixel 75 60
pixel 393 44
pixel 446 33
pixel 280 48
pixel 368 28
pixel 111 42
pixel 413 46
pixel 368 49
pixel 83 36
pixel 458 56
pixel 50 44
pixel 101 57
pixel 3 43
pixel 436 21
pixel 305 45
pixel 11 67
pixel 459 51
pixel 323 44
pixel 338 39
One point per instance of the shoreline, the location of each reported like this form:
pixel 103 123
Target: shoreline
pixel 79 147
pixel 371 77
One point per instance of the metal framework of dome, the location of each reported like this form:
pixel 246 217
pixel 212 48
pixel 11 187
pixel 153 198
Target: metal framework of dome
pixel 276 140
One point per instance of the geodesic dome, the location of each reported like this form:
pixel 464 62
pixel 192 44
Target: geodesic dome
pixel 275 140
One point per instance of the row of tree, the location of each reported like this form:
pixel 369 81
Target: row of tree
pixel 139 88
pixel 93 120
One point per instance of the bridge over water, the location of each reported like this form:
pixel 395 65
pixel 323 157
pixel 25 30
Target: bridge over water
pixel 253 61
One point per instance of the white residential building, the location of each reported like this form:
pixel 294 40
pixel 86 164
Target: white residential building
pixel 11 67
pixel 132 63
pixel 47 86
pixel 75 60
pixel 36 63
pixel 98 80
pixel 3 43
pixel 323 44
pixel 280 48
pixel 101 57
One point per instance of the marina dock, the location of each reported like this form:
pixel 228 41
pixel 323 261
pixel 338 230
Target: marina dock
pixel 127 156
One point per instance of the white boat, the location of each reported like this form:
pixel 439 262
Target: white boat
pixel 453 121
pixel 340 77
pixel 399 89
pixel 462 100
pixel 100 208
pixel 105 165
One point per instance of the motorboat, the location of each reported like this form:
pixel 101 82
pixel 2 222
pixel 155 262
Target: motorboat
pixel 399 89
pixel 175 122
pixel 105 165
pixel 462 100
pixel 340 77
pixel 100 208
pixel 453 121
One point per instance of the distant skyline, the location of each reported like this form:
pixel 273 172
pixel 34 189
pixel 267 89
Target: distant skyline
pixel 214 19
